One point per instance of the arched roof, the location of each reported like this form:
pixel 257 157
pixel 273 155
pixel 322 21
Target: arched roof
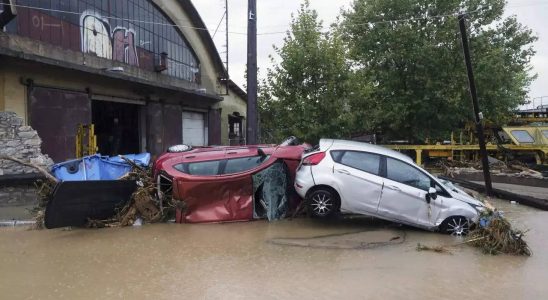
pixel 204 34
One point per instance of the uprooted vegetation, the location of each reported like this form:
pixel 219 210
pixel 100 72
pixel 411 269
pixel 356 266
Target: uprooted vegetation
pixel 495 235
pixel 144 203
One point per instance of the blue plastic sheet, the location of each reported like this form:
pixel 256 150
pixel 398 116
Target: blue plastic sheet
pixel 97 167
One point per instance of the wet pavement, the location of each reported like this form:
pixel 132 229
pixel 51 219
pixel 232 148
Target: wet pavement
pixel 532 191
pixel 350 258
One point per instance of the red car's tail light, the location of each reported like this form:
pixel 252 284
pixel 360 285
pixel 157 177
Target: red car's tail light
pixel 313 159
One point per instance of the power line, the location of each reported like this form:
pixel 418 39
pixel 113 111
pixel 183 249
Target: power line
pixel 218 25
pixel 119 19
pixel 233 32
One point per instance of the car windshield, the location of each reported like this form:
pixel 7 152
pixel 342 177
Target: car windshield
pixel 449 185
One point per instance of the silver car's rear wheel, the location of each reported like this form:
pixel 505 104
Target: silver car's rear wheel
pixel 457 226
pixel 323 203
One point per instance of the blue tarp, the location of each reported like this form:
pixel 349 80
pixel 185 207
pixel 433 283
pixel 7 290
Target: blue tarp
pixel 97 167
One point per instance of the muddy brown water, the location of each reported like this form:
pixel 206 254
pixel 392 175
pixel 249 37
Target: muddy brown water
pixel 349 258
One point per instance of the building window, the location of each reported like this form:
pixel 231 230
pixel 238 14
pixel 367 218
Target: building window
pixel 235 132
pixel 134 32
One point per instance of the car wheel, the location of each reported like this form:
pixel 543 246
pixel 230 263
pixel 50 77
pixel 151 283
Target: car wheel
pixel 323 203
pixel 457 226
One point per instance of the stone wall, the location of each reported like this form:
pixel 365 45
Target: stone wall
pixel 19 141
pixel 18 195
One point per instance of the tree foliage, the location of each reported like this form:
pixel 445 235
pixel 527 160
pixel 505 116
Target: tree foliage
pixel 418 66
pixel 305 94
pixel 405 78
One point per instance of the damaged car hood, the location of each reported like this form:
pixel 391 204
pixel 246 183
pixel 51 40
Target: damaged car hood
pixel 459 194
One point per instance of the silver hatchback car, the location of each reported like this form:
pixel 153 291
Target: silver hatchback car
pixel 354 177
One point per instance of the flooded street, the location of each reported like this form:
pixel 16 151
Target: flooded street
pixel 353 258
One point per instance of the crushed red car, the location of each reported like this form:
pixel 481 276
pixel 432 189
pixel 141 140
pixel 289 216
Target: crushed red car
pixel 230 183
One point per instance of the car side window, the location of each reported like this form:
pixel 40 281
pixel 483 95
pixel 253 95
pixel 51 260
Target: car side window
pixel 236 165
pixel 202 168
pixel 403 173
pixel 336 155
pixel 367 162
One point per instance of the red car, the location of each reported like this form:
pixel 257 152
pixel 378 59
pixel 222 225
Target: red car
pixel 236 183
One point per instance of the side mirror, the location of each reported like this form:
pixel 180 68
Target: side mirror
pixel 432 194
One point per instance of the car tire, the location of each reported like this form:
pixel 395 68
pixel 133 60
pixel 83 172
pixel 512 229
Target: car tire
pixel 456 225
pixel 323 203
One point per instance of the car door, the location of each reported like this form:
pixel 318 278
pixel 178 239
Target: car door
pixel 404 194
pixel 358 176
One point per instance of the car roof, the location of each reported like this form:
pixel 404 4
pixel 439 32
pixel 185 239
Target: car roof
pixel 359 146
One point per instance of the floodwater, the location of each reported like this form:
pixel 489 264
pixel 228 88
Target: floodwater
pixel 349 258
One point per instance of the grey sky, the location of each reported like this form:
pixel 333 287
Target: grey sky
pixel 275 16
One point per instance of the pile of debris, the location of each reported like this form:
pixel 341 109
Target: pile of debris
pixel 144 205
pixel 453 168
pixel 495 235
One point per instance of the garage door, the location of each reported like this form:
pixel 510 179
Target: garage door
pixel 55 114
pixel 194 130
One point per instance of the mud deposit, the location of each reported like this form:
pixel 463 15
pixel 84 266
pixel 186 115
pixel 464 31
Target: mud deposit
pixel 348 258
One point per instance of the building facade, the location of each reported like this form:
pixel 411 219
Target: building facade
pixel 145 72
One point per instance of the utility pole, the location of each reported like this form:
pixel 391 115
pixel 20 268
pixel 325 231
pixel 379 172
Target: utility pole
pixel 227 76
pixel 251 117
pixel 478 116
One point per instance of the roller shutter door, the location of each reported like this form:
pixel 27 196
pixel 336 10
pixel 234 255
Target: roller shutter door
pixel 194 129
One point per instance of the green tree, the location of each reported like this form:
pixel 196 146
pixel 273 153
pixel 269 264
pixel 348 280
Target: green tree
pixel 420 88
pixel 307 94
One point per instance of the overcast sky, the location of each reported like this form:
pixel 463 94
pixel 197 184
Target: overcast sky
pixel 275 16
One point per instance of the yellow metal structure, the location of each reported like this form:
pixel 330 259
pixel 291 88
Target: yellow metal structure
pixel 524 140
pixel 86 140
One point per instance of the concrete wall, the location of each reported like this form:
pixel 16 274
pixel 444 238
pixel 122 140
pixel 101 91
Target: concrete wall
pixel 12 93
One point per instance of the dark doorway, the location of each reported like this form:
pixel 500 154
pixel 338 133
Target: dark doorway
pixel 116 127
pixel 235 136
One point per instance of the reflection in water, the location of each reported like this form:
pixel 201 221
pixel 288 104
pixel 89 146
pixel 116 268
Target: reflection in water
pixel 240 260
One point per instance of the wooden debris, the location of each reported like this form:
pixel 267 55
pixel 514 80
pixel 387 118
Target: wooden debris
pixel 28 164
pixel 451 168
pixel 498 237
pixel 437 249
pixel 144 202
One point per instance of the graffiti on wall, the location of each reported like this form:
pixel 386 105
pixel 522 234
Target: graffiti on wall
pixel 97 38
pixel 123 48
